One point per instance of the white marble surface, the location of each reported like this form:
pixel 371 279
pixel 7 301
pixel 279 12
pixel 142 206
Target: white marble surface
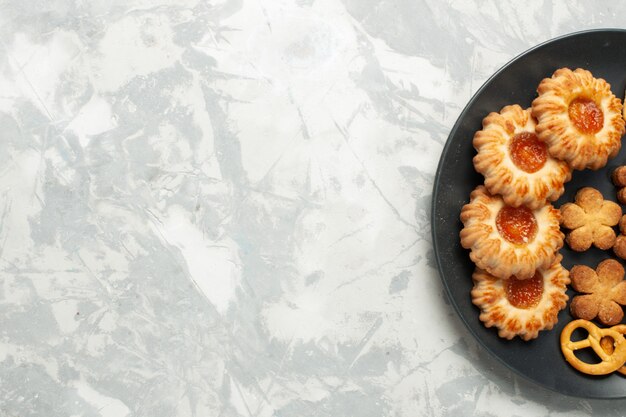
pixel 222 208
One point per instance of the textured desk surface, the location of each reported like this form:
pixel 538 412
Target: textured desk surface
pixel 222 208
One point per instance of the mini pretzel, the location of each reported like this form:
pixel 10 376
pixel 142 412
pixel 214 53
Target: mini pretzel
pixel 610 361
pixel 608 344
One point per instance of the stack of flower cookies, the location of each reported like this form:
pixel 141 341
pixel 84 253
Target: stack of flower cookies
pixel 510 226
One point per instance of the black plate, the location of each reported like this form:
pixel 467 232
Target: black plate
pixel 603 52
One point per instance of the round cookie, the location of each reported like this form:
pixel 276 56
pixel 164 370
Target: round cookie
pixel 515 163
pixel 579 118
pixel 521 307
pixel 505 240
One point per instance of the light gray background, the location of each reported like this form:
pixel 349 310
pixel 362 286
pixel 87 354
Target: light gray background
pixel 222 208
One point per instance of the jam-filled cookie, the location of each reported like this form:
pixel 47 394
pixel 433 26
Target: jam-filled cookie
pixel 521 307
pixel 506 240
pixel 515 163
pixel 579 118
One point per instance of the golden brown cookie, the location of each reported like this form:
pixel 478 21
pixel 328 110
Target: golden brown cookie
pixel 505 240
pixel 515 163
pixel 521 307
pixel 579 118
pixel 604 289
pixel 619 179
pixel 590 219
pixel 619 248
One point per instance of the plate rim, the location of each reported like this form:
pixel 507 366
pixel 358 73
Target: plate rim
pixel 435 193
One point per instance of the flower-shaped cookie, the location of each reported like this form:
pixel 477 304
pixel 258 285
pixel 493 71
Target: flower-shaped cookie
pixel 590 219
pixel 579 118
pixel 516 165
pixel 604 289
pixel 619 179
pixel 521 307
pixel 620 243
pixel 505 240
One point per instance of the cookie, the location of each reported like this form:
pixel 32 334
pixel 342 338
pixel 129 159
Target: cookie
pixel 579 118
pixel 521 307
pixel 515 163
pixel 619 248
pixel 505 240
pixel 604 292
pixel 590 219
pixel 619 179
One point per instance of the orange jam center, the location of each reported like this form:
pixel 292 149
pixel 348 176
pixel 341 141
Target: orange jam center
pixel 586 115
pixel 527 152
pixel 517 225
pixel 524 293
